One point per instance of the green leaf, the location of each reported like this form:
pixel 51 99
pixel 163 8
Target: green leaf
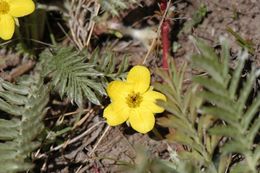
pixel 206 51
pixel 171 108
pixel 257 153
pixel 222 114
pixel 176 123
pixel 236 75
pixel 211 85
pixel 233 147
pixel 247 88
pixel 222 130
pixel 10 97
pixel 240 168
pixel 209 65
pixel 224 163
pixel 18 89
pixel 74 77
pixel 180 138
pixel 252 133
pixel 8 133
pixel 225 55
pixel 18 133
pixel 14 110
pixel 251 112
pixel 242 42
pixel 220 101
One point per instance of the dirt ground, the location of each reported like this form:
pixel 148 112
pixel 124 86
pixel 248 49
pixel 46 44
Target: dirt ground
pixel 93 146
pixel 102 148
pixel 243 16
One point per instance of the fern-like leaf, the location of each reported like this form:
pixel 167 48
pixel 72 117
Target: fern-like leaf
pixel 229 101
pixel 24 105
pixel 79 75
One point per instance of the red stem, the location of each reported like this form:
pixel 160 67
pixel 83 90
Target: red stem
pixel 165 42
pixel 163 5
pixel 165 31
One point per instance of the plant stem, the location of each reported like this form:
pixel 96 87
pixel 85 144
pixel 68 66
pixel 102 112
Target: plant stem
pixel 165 31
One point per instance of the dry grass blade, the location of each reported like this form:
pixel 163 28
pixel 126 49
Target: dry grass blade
pixel 80 25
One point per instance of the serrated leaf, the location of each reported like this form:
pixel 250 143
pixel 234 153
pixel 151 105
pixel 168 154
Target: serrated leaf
pixel 123 66
pixel 254 129
pixel 204 123
pixel 222 114
pixel 209 65
pixel 251 112
pixel 12 98
pixel 192 156
pixel 14 110
pixel 236 75
pixel 206 51
pixel 167 90
pixel 7 134
pixel 220 101
pixel 180 138
pixel 211 85
pixel 225 55
pixel 171 108
pixel 17 136
pixel 222 130
pixel 244 93
pixel 233 147
pixel 174 122
pixel 18 89
pixel 90 95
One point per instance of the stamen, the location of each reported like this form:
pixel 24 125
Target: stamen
pixel 134 100
pixel 4 7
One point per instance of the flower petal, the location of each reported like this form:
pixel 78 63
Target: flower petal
pixel 7 26
pixel 116 113
pixel 142 120
pixel 19 8
pixel 118 90
pixel 149 101
pixel 140 77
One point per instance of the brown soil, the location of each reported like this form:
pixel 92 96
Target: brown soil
pixel 99 150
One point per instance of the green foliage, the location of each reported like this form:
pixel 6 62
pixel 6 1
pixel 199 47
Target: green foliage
pixel 113 6
pixel 246 44
pixel 23 107
pixel 226 125
pixel 196 19
pixel 189 128
pixel 229 103
pixel 80 75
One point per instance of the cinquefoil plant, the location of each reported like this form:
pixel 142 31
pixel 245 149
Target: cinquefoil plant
pixel 22 108
pixel 80 75
pixel 216 126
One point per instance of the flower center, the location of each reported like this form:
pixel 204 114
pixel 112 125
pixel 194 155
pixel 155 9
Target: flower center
pixel 134 100
pixel 4 7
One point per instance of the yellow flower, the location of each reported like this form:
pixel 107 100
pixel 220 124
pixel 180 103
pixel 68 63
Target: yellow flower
pixel 133 100
pixel 9 11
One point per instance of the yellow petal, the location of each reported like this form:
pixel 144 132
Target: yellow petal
pixel 116 113
pixel 140 77
pixel 118 90
pixel 6 26
pixel 19 8
pixel 142 120
pixel 149 101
